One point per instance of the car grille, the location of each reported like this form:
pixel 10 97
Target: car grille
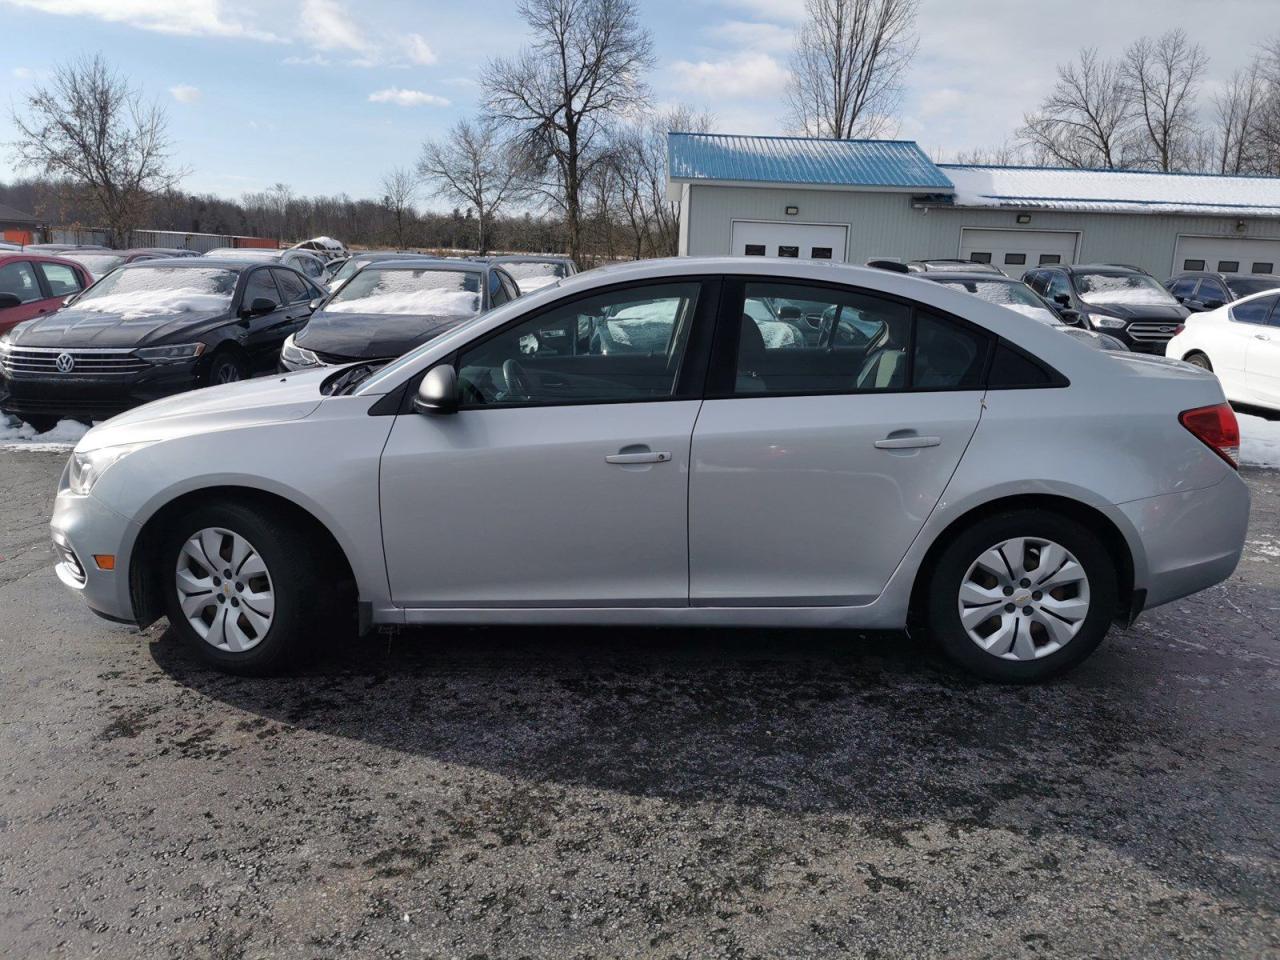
pixel 1147 331
pixel 44 361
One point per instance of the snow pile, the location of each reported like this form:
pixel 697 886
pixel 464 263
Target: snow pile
pixel 15 435
pixel 140 304
pixel 1259 441
pixel 428 303
pixel 532 284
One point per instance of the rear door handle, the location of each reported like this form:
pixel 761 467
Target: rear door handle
pixel 1261 336
pixel 637 458
pixel 907 443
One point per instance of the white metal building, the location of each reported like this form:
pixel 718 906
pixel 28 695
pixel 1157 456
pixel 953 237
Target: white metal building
pixel 851 200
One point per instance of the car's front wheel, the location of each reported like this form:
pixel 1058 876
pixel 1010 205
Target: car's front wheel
pixel 227 366
pixel 238 587
pixel 1198 359
pixel 1022 596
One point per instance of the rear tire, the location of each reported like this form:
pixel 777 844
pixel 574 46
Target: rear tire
pixel 1010 631
pixel 240 588
pixel 1198 359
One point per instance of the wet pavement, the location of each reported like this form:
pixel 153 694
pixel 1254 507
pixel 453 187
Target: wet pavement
pixel 594 793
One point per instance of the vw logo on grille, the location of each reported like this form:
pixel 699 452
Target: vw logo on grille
pixel 65 363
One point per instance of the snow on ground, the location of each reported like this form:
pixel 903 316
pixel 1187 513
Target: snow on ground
pixel 1259 441
pixel 15 435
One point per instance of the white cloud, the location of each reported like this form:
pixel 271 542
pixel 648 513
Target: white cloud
pixel 185 93
pixel 327 26
pixel 315 60
pixel 196 18
pixel 419 51
pixel 22 73
pixel 786 10
pixel 752 35
pixel 407 98
pixel 742 75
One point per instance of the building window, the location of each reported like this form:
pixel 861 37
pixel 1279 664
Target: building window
pixel 979 258
pixel 1015 259
pixel 1264 268
pixel 754 250
pixel 1228 266
pixel 1049 258
pixel 1192 264
pixel 788 251
pixel 820 253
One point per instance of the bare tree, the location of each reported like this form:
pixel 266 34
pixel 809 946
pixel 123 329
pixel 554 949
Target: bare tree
pixel 1087 119
pixel 1004 155
pixel 1267 123
pixel 582 71
pixel 89 126
pixel 1237 109
pixel 1163 77
pixel 476 167
pixel 399 187
pixel 847 66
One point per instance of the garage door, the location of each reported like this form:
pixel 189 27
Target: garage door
pixel 808 241
pixel 1227 255
pixel 1014 251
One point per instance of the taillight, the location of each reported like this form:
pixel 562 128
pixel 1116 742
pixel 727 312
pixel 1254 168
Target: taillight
pixel 1216 428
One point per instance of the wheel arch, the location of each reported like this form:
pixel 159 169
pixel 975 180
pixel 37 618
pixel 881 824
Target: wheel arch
pixel 145 574
pixel 1113 539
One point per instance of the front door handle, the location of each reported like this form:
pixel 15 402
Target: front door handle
pixel 907 443
pixel 1261 336
pixel 648 457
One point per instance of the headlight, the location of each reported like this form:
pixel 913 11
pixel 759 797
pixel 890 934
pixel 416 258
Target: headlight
pixel 5 344
pixel 84 469
pixel 173 354
pixel 297 356
pixel 1107 323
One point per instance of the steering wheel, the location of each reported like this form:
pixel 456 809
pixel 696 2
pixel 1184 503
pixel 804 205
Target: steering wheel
pixel 516 380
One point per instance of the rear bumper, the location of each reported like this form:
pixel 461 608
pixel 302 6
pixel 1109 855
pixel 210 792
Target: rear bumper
pixel 1192 540
pixel 83 527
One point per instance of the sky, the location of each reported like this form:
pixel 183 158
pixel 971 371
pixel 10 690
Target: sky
pixel 327 95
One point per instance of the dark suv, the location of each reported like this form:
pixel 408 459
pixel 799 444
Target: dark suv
pixel 148 330
pixel 1200 290
pixel 1125 302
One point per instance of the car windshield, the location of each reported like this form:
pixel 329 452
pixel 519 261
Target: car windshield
pixel 437 293
pixel 1015 296
pixel 1122 288
pixel 137 292
pixel 98 264
pixel 1247 286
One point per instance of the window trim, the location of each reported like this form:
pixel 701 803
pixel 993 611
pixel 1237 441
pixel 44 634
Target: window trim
pixel 690 379
pixel 722 372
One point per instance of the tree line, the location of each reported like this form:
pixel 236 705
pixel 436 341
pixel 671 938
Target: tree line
pixel 567 154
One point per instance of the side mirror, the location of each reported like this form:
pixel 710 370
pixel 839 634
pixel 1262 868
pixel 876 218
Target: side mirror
pixel 261 305
pixel 1070 316
pixel 1180 298
pixel 438 391
pixel 1212 304
pixel 1063 299
pixel 315 304
pixel 8 300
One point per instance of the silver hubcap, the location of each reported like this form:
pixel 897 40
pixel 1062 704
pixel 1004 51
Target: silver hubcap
pixel 227 373
pixel 225 590
pixel 1024 598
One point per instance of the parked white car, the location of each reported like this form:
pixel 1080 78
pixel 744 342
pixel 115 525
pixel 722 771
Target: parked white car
pixel 944 461
pixel 1240 342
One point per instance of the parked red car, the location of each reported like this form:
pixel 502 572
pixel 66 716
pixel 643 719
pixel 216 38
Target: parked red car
pixel 32 284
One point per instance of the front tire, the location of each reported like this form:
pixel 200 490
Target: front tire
pixel 226 366
pixel 239 588
pixel 1022 596
pixel 1198 359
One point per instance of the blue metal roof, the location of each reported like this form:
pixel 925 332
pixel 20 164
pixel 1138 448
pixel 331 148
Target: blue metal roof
pixel 852 163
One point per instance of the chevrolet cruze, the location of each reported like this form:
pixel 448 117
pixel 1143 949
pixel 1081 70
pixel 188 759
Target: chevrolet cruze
pixel 629 447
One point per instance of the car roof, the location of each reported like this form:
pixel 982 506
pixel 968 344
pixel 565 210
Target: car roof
pixel 527 258
pixel 40 256
pixel 977 276
pixel 427 263
pixel 194 262
pixel 1117 269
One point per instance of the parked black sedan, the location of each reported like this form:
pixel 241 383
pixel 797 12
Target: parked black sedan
pixel 148 330
pixel 391 306
pixel 1201 290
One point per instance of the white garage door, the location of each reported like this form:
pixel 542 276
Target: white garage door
pixel 1014 251
pixel 807 241
pixel 1227 255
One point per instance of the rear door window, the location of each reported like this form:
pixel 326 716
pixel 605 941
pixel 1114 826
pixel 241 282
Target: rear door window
pixel 61 279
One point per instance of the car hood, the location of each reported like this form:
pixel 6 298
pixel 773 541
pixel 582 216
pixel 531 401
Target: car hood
pixel 1139 311
pixel 74 327
pixel 266 400
pixel 371 336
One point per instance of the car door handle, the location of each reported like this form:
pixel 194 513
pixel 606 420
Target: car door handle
pixel 648 457
pixel 907 443
pixel 1261 336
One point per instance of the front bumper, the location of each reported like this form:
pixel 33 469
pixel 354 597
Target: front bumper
pixel 1192 540
pixel 82 528
pixel 94 398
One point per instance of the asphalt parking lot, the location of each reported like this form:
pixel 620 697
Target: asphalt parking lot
pixel 572 794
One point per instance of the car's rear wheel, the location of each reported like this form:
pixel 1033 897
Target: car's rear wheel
pixel 1199 360
pixel 1022 596
pixel 227 366
pixel 238 587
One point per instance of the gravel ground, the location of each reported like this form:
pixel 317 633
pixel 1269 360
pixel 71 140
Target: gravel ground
pixel 573 794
